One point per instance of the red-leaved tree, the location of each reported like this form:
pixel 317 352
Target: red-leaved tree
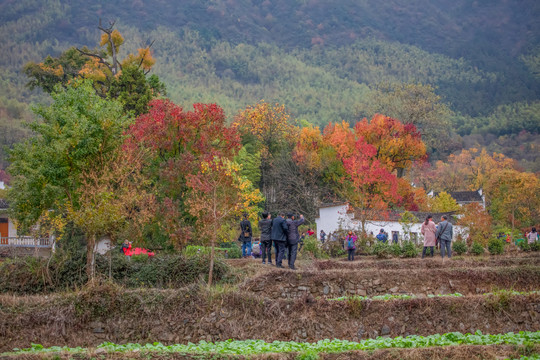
pixel 179 141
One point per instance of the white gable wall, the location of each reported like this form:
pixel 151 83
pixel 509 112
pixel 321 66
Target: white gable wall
pixel 335 218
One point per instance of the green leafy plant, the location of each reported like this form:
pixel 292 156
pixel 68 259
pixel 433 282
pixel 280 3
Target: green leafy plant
pixel 312 246
pixel 496 246
pixel 252 347
pixel 381 250
pixel 396 250
pixel 477 249
pixel 459 247
pixel 524 246
pixel 409 249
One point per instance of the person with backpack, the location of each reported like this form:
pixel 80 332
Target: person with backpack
pixel 382 236
pixel 350 244
pixel 245 236
pixel 265 226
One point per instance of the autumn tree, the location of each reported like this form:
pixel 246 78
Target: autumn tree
pixel 123 79
pixel 369 186
pixel 218 195
pixel 397 144
pixel 115 199
pixel 178 141
pixel 477 223
pixel 415 104
pixel 267 128
pixel 514 198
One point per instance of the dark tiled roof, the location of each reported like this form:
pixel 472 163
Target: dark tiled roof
pixel 464 196
pixel 3 204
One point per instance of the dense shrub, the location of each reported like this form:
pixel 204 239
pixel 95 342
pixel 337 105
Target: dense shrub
pixel 63 272
pixel 459 247
pixel 396 250
pixel 524 246
pixel 409 249
pixel 312 247
pixel 381 250
pixel 477 249
pixel 496 246
pixel 234 251
pixel 535 246
pixel 334 248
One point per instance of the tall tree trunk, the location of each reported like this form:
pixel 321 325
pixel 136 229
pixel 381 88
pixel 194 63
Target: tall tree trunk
pixel 211 271
pixel 90 244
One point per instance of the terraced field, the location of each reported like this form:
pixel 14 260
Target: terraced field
pixel 376 308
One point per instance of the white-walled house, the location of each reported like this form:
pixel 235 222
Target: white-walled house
pixel 336 217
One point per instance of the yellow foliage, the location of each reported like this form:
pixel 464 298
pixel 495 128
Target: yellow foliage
pixel 56 71
pixel 115 37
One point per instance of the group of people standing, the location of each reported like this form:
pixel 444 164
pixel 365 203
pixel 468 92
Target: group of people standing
pixel 280 232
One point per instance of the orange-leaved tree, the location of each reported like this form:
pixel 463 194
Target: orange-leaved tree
pixel 397 144
pixel 369 185
pixel 477 222
pixel 218 195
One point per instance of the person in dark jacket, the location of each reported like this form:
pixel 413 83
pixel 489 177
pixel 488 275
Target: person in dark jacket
pixel 292 237
pixel 445 233
pixel 265 226
pixel 279 237
pixel 245 236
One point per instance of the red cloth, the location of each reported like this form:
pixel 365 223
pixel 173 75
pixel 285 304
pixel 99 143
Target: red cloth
pixel 137 251
pixel 310 232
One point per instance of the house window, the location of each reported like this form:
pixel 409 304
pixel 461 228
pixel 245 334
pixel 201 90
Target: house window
pixel 414 237
pixel 395 236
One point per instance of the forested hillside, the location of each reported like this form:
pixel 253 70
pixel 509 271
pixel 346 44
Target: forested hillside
pixel 324 60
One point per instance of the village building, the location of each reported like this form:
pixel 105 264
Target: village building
pixel 464 197
pixel 341 217
pixel 12 243
pixel 7 227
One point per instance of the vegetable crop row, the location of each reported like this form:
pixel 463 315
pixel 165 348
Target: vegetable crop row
pixel 251 347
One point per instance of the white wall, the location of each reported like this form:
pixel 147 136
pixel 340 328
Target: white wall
pixel 335 218
pixel 12 230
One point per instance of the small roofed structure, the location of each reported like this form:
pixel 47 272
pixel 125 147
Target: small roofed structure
pixel 464 197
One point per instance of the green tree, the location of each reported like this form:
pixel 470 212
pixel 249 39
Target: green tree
pixel 443 202
pixel 77 133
